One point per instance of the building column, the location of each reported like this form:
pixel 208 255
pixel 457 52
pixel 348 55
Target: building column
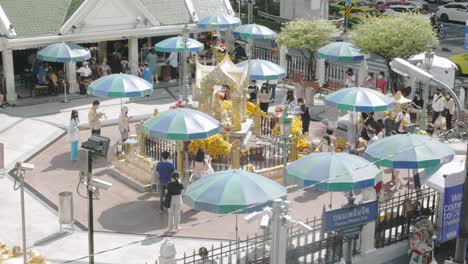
pixel 320 71
pixel 133 55
pixel 9 72
pixel 70 71
pixel 362 73
pixel 283 58
pixel 102 46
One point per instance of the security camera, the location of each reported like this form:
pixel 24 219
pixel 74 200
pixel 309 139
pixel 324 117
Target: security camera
pixel 100 184
pixel 265 222
pixel 303 227
pixel 252 217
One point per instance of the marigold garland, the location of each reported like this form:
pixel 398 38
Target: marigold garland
pixel 215 146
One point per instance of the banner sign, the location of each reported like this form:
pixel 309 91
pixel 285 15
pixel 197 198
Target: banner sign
pixel 348 217
pixel 453 199
pixel 466 36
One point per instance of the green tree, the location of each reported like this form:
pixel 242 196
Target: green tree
pixel 391 37
pixel 308 35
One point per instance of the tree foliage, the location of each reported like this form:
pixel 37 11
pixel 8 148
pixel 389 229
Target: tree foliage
pixel 390 37
pixel 309 34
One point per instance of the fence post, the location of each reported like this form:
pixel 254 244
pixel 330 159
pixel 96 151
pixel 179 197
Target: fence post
pixel 142 144
pixel 368 230
pixel 320 71
pixel 167 252
pixel 283 59
pixel 235 155
pixel 257 119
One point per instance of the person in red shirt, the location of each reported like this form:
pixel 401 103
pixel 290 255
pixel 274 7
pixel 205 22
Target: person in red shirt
pixel 382 82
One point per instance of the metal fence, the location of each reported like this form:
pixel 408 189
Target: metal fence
pixel 335 74
pixel 266 54
pixel 266 126
pixel 300 68
pixel 396 214
pixel 303 247
pixel 262 156
pixel 154 147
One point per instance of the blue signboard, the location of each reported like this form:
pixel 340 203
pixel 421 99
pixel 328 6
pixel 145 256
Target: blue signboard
pixel 466 37
pixel 348 217
pixel 450 225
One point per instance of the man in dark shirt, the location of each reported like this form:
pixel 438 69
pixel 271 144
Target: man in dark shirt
pixel 305 115
pixel 239 53
pixel 164 168
pixel 369 123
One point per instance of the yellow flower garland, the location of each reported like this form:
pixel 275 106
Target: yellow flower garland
pixel 215 146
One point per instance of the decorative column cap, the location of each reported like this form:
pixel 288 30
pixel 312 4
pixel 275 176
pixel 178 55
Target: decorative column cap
pixel 167 249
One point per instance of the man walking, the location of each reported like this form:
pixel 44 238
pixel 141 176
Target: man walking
pixel 93 119
pixel 165 168
pixel 438 103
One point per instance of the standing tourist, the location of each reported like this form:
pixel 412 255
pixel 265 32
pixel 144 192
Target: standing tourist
pixel 174 190
pixel 369 82
pixel 200 165
pixel 449 109
pixel 164 170
pixel 74 135
pixel 349 80
pixel 403 119
pixel 94 119
pixel 152 59
pixel 325 145
pixel 264 98
pixel 438 103
pixel 373 137
pixel 333 118
pixel 116 62
pixel 304 111
pixel 332 137
pixel 253 90
pixel 147 74
pixel 382 82
pixel 416 106
pixel 174 63
pixel 290 100
pixel 239 53
pixel 124 126
pixel 104 69
pixel 272 86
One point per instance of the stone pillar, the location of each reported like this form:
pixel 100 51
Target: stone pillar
pixel 368 230
pixel 236 114
pixel 9 72
pixel 70 72
pixel 142 144
pixel 362 73
pixel 282 57
pixel 102 46
pixel 257 118
pixel 167 252
pixel 294 152
pixel 133 55
pixel 180 158
pixel 320 71
pixel 235 155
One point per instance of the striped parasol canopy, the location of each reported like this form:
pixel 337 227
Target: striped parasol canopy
pixel 333 172
pixel 177 44
pixel 359 99
pixel 409 151
pixel 219 21
pixel 254 31
pixel 120 85
pixel 263 70
pixel 231 191
pixel 181 124
pixel 340 51
pixel 64 52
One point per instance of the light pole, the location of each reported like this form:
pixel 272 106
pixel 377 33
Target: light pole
pixel 185 83
pixel 428 60
pixel 285 132
pixel 20 172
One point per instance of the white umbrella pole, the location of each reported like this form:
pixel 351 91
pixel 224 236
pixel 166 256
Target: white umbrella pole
pixel 64 84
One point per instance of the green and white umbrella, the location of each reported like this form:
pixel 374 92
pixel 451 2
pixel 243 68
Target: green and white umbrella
pixel 263 70
pixel 340 51
pixel 254 31
pixel 409 151
pixel 359 99
pixel 64 52
pixel 333 172
pixel 177 44
pixel 120 85
pixel 231 191
pixel 181 124
pixel 218 21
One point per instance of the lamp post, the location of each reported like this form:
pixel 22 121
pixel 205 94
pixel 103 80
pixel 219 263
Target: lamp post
pixel 185 82
pixel 428 60
pixel 285 132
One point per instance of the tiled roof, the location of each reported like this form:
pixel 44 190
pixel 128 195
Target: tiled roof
pixel 206 7
pixel 36 17
pixel 168 12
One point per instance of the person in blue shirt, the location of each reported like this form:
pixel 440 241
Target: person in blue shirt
pixel 164 169
pixel 146 73
pixel 42 74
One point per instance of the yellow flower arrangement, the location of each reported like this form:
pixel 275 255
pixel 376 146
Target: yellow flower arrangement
pixel 303 144
pixel 422 133
pixel 226 105
pixel 341 143
pixel 251 108
pixel 215 146
pixel 296 127
pixel 362 143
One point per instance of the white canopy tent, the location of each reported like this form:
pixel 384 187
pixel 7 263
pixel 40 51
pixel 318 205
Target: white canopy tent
pixel 455 169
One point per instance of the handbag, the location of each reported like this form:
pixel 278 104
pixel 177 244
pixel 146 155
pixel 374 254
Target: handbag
pixel 167 200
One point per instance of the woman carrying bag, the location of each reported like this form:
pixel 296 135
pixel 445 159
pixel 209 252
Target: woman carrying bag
pixel 173 201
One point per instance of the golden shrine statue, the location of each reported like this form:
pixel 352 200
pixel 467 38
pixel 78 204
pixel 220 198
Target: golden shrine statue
pixel 225 81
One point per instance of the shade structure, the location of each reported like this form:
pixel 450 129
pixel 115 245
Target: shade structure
pixel 120 85
pixel 340 51
pixel 254 31
pixel 409 151
pixel 63 52
pixel 434 177
pixel 437 61
pixel 359 99
pixel 334 172
pixel 232 191
pixel 177 44
pixel 263 70
pixel 181 124
pixel 219 21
